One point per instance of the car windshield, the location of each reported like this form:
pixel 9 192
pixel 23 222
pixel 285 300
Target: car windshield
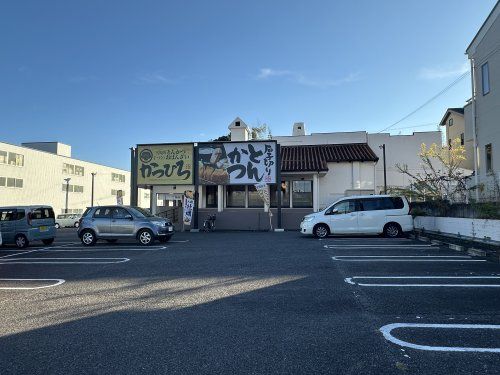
pixel 141 212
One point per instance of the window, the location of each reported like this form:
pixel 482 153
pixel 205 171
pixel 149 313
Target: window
pixel 211 195
pixel 102 212
pixel 16 159
pixel 73 169
pixel 344 207
pixel 11 182
pixel 302 196
pixel 254 199
pixel 7 215
pixel 116 177
pixel 3 157
pixel 42 213
pixel 19 183
pixel 388 203
pixel 489 158
pixel 73 188
pixel 450 122
pixel 235 196
pixel 2 181
pixel 76 211
pixel 462 139
pixel 485 72
pixel 285 194
pixel 120 213
pixel 115 192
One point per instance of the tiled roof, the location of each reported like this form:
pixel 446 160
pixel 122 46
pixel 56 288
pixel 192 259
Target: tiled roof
pixel 316 157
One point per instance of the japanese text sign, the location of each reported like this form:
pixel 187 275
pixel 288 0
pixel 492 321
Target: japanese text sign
pixel 165 164
pixel 237 163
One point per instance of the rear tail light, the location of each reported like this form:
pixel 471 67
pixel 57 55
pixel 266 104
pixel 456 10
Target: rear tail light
pixel 80 221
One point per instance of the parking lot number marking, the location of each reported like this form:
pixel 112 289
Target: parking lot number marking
pixel 352 281
pixel 57 282
pixel 387 329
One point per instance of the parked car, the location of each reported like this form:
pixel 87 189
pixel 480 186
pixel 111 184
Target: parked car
pixel 68 220
pixel 23 224
pixel 112 223
pixel 367 214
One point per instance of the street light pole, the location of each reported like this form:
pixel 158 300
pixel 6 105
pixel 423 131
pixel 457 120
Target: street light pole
pixel 92 196
pixel 385 169
pixel 67 191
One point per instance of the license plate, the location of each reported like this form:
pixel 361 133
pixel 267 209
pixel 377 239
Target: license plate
pixel 170 229
pixel 44 229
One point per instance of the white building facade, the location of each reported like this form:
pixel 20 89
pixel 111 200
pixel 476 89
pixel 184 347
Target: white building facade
pixel 484 55
pixel 36 173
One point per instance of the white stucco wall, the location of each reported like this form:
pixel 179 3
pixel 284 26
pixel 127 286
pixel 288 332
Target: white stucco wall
pixel 477 228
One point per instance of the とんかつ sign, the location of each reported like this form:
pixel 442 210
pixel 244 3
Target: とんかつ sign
pixel 166 164
pixel 235 163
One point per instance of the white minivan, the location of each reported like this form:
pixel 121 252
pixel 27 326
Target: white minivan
pixel 364 214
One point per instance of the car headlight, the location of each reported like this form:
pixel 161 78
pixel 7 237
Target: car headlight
pixel 158 223
pixel 306 219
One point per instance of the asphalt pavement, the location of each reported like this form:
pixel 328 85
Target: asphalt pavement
pixel 248 303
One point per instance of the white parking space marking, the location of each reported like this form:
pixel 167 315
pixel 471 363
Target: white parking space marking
pixel 63 261
pixel 339 246
pixel 352 281
pixel 56 283
pixel 20 252
pixel 404 258
pixel 387 329
pixel 178 241
pixel 101 249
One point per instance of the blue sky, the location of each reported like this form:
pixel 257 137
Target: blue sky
pixel 105 75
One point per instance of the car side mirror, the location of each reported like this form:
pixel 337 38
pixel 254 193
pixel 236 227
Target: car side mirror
pixel 332 212
pixel 129 217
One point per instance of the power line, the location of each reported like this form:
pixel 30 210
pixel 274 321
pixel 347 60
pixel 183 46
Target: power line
pixel 461 77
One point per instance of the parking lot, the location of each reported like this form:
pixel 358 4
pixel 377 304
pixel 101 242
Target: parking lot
pixel 243 302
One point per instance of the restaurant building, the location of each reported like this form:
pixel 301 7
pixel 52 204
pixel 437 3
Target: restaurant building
pixel 314 170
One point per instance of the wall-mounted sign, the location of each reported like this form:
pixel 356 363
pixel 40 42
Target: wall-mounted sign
pixel 237 163
pixel 165 164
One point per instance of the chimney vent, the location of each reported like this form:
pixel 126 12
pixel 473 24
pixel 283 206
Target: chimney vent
pixel 299 129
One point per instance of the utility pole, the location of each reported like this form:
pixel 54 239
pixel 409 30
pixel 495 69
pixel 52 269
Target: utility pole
pixel 92 196
pixel 385 169
pixel 67 192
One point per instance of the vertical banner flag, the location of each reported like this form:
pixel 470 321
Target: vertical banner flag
pixel 263 191
pixel 188 204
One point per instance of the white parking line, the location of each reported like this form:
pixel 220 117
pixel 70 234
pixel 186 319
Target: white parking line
pixel 57 282
pixel 351 280
pixel 101 249
pixel 405 258
pixel 63 261
pixel 379 246
pixel 387 329
pixel 38 249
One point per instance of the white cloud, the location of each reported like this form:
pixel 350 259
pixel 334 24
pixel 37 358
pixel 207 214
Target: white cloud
pixel 301 79
pixel 443 71
pixel 157 78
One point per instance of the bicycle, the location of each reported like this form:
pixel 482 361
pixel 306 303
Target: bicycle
pixel 209 224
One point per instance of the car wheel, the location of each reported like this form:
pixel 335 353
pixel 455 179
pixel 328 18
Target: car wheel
pixel 145 237
pixel 112 240
pixel 57 226
pixel 392 230
pixel 321 231
pixel 21 241
pixel 165 239
pixel 48 241
pixel 77 224
pixel 88 238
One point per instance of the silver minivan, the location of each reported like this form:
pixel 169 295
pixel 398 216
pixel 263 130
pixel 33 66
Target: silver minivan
pixel 21 225
pixel 112 223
